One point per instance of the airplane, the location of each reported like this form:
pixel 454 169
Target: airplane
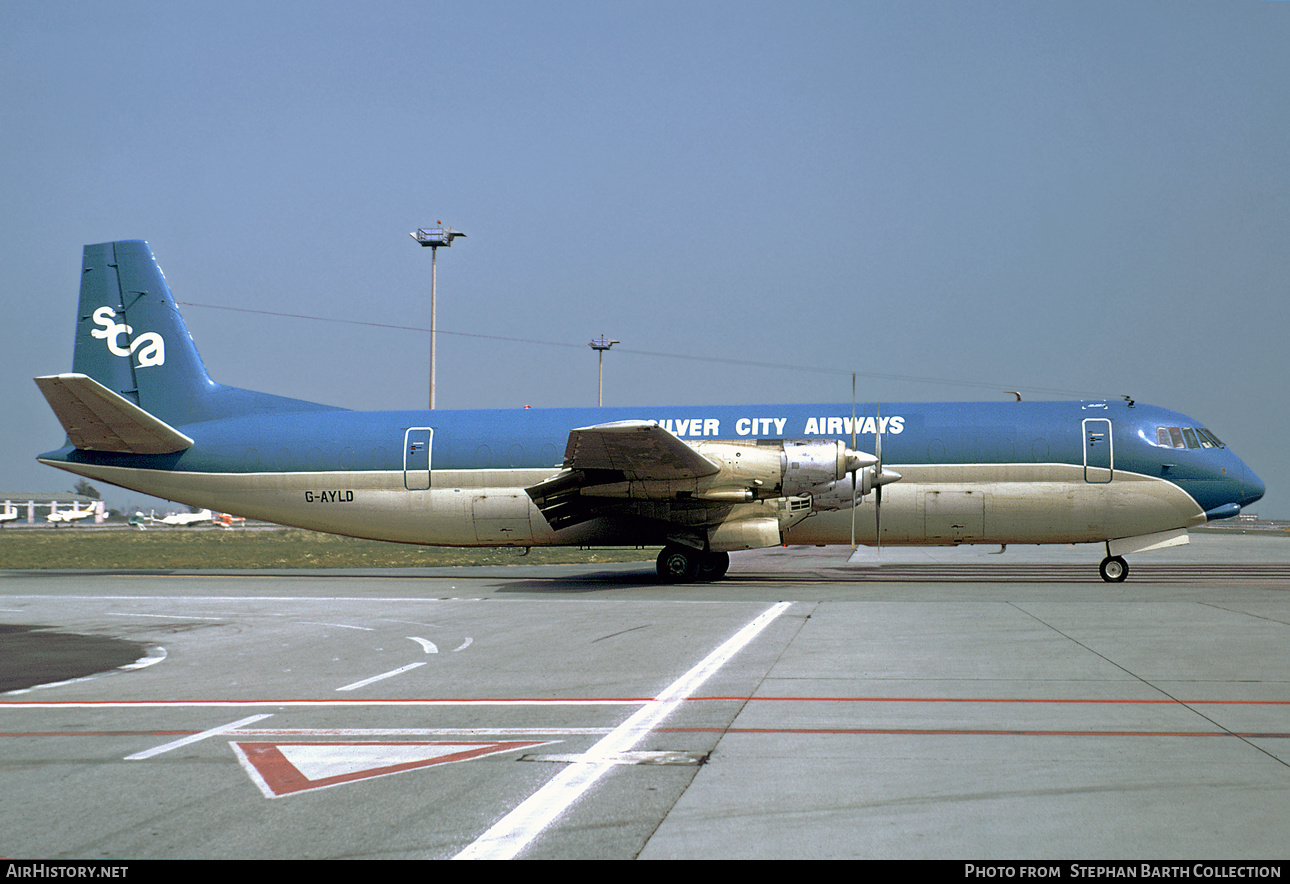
pixel 69 516
pixel 141 412
pixel 185 520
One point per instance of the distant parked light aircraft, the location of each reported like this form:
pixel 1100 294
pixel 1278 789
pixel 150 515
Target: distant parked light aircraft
pixel 141 412
pixel 68 516
pixel 187 519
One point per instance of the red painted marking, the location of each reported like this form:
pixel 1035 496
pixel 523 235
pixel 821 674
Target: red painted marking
pixel 966 732
pixel 1072 700
pixel 278 775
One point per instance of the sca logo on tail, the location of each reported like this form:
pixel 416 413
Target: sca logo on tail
pixel 149 346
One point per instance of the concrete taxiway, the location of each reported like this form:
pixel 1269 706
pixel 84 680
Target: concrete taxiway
pixel 951 704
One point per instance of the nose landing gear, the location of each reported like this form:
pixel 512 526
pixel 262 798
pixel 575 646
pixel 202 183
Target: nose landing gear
pixel 1114 569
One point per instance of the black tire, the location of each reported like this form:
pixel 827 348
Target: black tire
pixel 678 564
pixel 1114 569
pixel 714 565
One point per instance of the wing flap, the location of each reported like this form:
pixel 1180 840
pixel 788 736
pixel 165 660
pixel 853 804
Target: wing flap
pixel 97 419
pixel 603 461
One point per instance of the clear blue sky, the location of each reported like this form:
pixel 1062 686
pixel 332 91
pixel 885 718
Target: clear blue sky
pixel 1066 199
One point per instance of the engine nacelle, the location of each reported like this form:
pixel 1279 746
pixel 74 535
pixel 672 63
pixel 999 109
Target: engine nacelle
pixel 813 467
pixel 793 468
pixel 839 495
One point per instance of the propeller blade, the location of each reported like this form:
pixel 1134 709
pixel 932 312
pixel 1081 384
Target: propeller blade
pixel 877 475
pixel 877 516
pixel 857 468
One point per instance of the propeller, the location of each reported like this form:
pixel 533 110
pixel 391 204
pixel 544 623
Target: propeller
pixel 856 468
pixel 878 477
pixel 866 471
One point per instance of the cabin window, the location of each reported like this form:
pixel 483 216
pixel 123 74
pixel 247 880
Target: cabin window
pixel 1175 435
pixel 1190 435
pixel 1162 437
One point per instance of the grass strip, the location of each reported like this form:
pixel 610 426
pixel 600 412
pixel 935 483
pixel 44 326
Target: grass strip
pixel 269 548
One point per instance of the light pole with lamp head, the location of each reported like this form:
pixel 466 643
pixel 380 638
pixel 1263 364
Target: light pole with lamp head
pixel 601 345
pixel 434 237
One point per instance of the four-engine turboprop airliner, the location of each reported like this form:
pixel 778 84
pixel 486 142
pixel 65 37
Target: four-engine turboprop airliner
pixel 141 412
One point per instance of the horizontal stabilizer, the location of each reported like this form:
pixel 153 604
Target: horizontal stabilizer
pixel 97 419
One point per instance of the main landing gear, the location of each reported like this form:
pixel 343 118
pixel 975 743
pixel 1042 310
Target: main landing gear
pixel 1114 569
pixel 683 564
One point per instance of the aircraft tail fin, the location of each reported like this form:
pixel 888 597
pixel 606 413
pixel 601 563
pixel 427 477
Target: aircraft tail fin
pixel 97 419
pixel 130 337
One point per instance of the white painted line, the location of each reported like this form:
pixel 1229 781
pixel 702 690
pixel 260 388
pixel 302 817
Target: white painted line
pixel 154 656
pixel 228 599
pixel 161 616
pixel 515 831
pixel 193 738
pixel 421 731
pixel 393 672
pixel 463 645
pixel 234 704
pixel 426 645
pixel 638 757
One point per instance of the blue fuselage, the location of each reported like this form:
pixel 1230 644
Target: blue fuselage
pixel 341 456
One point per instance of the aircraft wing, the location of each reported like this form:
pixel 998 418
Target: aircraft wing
pixel 97 419
pixel 603 460
pixel 640 450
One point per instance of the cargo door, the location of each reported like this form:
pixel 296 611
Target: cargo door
pixel 953 516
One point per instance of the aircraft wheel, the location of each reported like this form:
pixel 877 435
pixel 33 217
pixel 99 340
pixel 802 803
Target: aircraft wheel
pixel 678 564
pixel 1114 569
pixel 713 566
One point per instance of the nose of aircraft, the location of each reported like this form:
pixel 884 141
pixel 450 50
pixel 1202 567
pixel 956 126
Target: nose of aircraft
pixel 1252 486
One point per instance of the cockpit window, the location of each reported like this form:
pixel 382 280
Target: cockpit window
pixel 1186 437
pixel 1206 434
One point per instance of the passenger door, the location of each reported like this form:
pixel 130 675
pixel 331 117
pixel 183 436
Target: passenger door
pixel 416 458
pixel 1099 450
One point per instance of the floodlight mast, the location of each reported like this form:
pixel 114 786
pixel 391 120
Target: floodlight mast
pixel 439 235
pixel 601 345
